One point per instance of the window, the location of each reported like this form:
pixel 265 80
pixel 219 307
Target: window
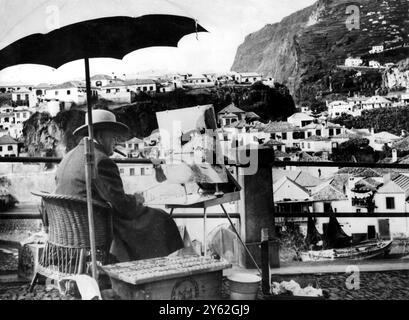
pixel 142 171
pixel 272 135
pixel 331 132
pixel 121 171
pixel 1 148
pixel 108 90
pixel 17 115
pixel 18 97
pixel 284 134
pixel 56 93
pixel 117 90
pixel 26 96
pixel 302 145
pixel 68 92
pixel 132 172
pixel 145 89
pixel 318 132
pixel 358 210
pixel 10 148
pixel 338 131
pixel 24 114
pixel 390 203
pixel 151 88
pixel 309 134
pixel 309 145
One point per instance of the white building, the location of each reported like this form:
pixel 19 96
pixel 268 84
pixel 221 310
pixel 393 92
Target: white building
pixel 300 119
pixel 24 97
pixel 269 81
pixel 101 80
pixel 197 81
pixel 70 92
pixel 134 147
pixel 353 62
pixel 376 49
pixel 248 77
pixel 374 64
pixel 21 114
pixel 376 102
pixel 116 91
pixel 338 107
pixel 316 144
pixel 141 85
pixel 378 140
pixel 8 147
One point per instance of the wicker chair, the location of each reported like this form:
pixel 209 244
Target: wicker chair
pixel 67 250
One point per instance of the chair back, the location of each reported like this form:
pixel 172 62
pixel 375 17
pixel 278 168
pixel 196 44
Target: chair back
pixel 68 220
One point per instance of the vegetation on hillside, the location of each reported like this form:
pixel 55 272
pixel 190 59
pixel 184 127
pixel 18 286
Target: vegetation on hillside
pixel 42 133
pixel 393 120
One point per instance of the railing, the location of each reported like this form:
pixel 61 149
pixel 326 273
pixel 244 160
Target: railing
pixel 27 210
pixel 275 163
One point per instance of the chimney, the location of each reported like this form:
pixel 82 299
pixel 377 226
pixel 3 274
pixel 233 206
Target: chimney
pixel 372 131
pixel 386 178
pixel 394 155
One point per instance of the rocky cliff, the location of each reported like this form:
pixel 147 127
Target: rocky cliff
pixel 302 50
pixel 397 77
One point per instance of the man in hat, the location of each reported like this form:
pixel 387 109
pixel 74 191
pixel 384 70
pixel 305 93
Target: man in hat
pixel 140 232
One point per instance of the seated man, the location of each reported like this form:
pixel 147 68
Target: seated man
pixel 139 232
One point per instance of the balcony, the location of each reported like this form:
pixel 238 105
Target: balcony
pixel 366 202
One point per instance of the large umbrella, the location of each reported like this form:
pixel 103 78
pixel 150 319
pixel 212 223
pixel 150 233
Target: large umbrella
pixel 107 36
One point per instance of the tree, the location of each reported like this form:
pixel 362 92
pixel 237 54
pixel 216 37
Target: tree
pixel 355 149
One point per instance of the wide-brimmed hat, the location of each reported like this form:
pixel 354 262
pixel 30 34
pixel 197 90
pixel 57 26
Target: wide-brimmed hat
pixel 102 119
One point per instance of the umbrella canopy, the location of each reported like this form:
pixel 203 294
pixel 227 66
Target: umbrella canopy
pixel 20 18
pixel 112 37
pixel 101 35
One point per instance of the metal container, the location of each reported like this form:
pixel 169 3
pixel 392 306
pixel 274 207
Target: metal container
pixel 244 286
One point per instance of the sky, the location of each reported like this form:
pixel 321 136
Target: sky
pixel 228 23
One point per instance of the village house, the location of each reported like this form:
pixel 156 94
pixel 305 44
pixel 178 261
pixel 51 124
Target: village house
pixel 379 140
pixel 101 80
pixel 248 77
pixel 392 196
pixel 134 147
pixel 70 92
pixel 374 64
pixel 269 81
pixel 8 147
pixel 141 85
pixel 24 97
pixel 286 132
pixel 316 144
pixel 21 114
pixel 198 81
pixel 338 107
pixel 40 91
pixel 300 119
pixel 6 117
pixel 353 62
pixel 376 102
pixel 376 49
pixel 230 114
pixel 290 196
pixel 116 91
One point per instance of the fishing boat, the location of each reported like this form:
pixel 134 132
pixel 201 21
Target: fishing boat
pixel 337 245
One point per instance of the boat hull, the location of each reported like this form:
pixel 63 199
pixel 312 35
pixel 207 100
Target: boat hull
pixel 357 252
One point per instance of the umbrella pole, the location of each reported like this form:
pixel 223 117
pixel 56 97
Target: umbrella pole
pixel 89 171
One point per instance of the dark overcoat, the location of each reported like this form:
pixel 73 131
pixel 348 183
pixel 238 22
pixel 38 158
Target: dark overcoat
pixel 139 232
